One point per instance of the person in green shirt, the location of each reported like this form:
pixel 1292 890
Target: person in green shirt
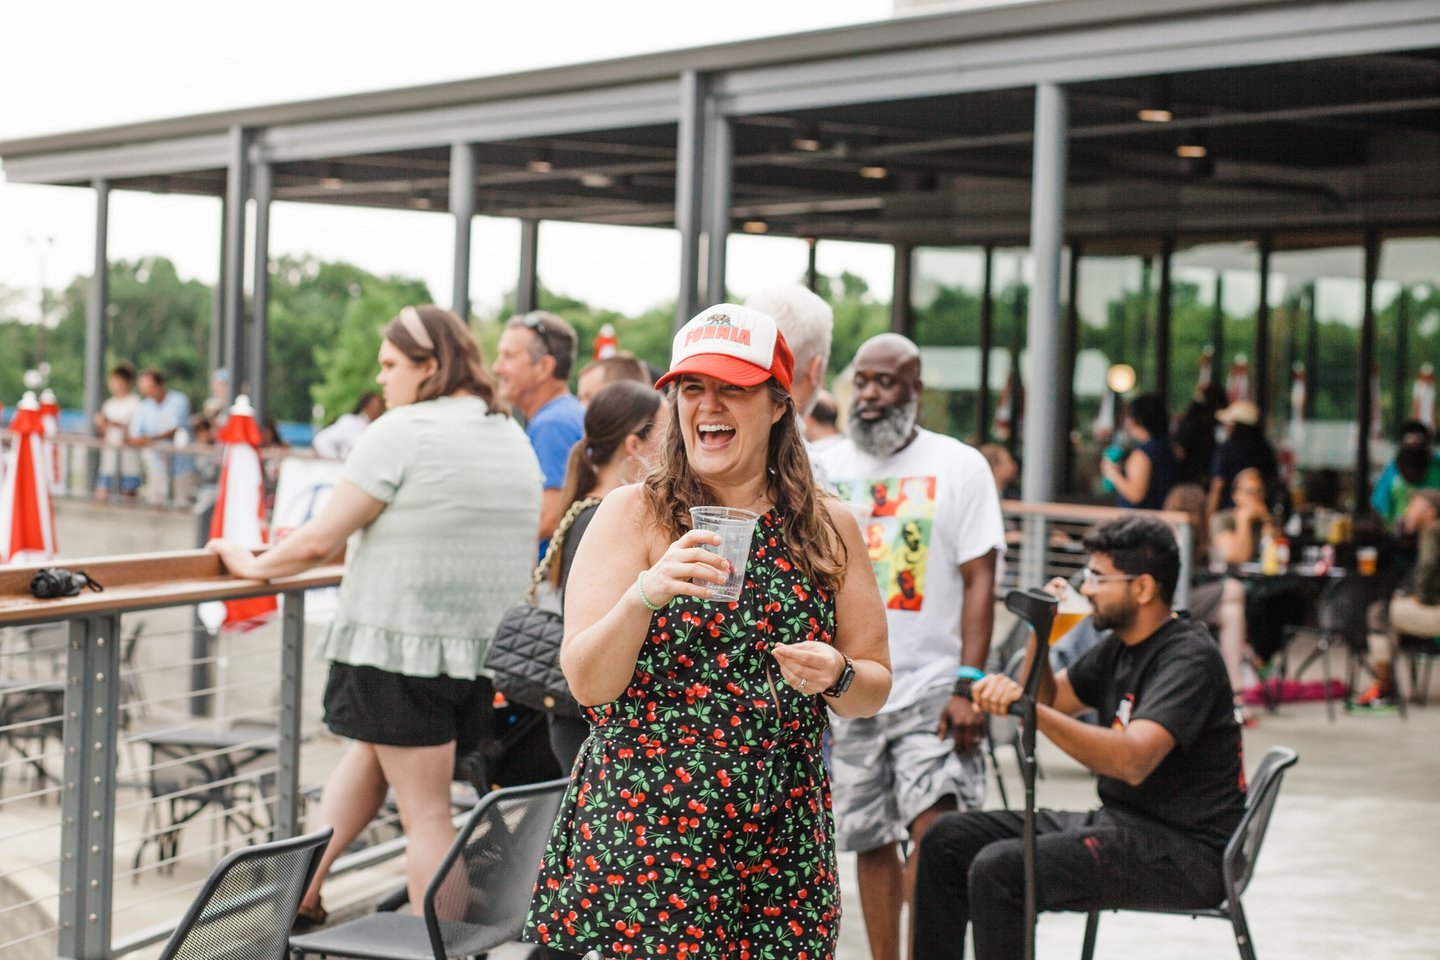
pixel 1415 467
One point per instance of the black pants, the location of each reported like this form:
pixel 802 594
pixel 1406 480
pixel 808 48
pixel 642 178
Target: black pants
pixel 972 869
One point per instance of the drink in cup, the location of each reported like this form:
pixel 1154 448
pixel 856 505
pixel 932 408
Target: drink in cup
pixel 1072 609
pixel 1366 559
pixel 736 528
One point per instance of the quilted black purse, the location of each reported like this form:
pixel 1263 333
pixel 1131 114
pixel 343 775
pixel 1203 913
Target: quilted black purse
pixel 524 656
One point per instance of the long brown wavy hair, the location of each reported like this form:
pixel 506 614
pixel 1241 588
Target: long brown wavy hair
pixel 816 548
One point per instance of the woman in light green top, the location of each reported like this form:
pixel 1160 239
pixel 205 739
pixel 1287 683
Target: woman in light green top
pixel 442 494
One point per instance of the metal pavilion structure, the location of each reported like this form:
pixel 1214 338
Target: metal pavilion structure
pixel 1068 128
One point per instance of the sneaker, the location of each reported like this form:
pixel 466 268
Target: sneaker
pixel 1378 697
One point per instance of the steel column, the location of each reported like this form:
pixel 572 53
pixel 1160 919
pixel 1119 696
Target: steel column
pixel 1217 328
pixel 217 301
pixel 1068 349
pixel 986 342
pixel 902 320
pixel 292 675
pixel 1260 366
pixel 1402 357
pixel 812 272
pixel 87 804
pixel 462 208
pixel 1047 237
pixel 233 277
pixel 260 292
pixel 96 325
pixel 720 153
pixel 1162 324
pixel 689 192
pixel 1367 371
pixel 527 286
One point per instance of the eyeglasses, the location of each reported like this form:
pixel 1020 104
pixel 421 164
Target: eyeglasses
pixel 1093 577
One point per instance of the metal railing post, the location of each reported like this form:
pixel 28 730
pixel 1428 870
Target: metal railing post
pixel 1032 551
pixel 292 675
pixel 87 806
pixel 1185 537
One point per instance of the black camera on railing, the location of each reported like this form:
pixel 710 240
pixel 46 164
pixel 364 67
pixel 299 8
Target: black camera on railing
pixel 52 582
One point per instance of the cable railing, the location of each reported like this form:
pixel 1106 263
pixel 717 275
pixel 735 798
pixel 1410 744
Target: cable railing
pixel 137 747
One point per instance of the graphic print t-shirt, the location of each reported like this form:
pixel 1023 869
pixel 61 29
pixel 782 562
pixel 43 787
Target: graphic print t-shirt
pixel 922 512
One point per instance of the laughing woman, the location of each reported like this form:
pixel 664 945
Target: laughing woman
pixel 698 820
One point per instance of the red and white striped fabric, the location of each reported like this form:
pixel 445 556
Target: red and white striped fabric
pixel 240 506
pixel 1422 405
pixel 50 418
pixel 27 519
pixel 1237 384
pixel 606 342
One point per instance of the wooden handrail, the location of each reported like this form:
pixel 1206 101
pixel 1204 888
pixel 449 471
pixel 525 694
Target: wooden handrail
pixel 141 582
pixel 1085 512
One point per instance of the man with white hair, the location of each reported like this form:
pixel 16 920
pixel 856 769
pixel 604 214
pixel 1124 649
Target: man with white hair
pixel 806 322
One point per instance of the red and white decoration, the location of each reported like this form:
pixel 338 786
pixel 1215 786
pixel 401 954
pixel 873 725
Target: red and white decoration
pixel 607 344
pixel 1207 368
pixel 1422 404
pixel 27 519
pixel 1297 405
pixel 240 507
pixel 50 418
pixel 1237 384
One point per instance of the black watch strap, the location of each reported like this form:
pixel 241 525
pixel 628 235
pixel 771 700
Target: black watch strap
pixel 842 683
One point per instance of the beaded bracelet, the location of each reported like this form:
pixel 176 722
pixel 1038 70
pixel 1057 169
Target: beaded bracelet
pixel 640 586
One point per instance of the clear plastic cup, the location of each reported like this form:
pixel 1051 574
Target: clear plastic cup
pixel 736 529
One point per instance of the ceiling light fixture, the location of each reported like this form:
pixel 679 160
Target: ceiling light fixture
pixel 807 138
pixel 422 203
pixel 874 173
pixel 1155 101
pixel 596 181
pixel 331 183
pixel 755 226
pixel 1192 151
pixel 540 166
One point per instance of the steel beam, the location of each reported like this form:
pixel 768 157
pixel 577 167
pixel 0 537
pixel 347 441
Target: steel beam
pixel 233 290
pixel 1162 323
pixel 462 208
pixel 260 292
pixel 719 174
pixel 690 193
pixel 1040 479
pixel 527 286
pixel 217 301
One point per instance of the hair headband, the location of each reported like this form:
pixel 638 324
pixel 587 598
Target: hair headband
pixel 410 320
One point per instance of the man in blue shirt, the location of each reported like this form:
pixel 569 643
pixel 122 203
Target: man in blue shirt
pixel 532 370
pixel 163 417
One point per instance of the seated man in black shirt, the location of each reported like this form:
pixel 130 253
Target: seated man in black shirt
pixel 1166 749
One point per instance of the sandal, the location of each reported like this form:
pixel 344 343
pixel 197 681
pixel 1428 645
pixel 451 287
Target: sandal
pixel 309 918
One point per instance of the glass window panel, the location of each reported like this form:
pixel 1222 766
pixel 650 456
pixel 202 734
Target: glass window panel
pixel 1407 326
pixel 1317 304
pixel 947 289
pixel 1214 299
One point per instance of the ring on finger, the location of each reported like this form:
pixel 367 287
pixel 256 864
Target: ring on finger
pixel 801 684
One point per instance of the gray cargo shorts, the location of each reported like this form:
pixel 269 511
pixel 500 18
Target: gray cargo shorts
pixel 888 769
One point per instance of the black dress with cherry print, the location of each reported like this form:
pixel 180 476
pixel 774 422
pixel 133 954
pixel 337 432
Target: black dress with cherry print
pixel 698 822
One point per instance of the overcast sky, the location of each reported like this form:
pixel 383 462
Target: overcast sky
pixel 75 65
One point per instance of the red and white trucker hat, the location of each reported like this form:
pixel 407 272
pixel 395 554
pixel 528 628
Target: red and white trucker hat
pixel 731 343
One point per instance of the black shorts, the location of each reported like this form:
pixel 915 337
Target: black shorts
pixel 391 709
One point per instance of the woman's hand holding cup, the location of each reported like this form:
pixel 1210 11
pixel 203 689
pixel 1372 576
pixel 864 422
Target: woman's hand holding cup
pixel 687 568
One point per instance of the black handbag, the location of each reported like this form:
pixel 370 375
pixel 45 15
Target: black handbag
pixel 524 656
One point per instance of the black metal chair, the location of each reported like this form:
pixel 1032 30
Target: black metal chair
pixel 248 904
pixel 1241 854
pixel 1421 652
pixel 479 895
pixel 1340 620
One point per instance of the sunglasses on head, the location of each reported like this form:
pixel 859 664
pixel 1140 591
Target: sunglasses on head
pixel 533 321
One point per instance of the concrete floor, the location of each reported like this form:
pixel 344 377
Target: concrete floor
pixel 1350 867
